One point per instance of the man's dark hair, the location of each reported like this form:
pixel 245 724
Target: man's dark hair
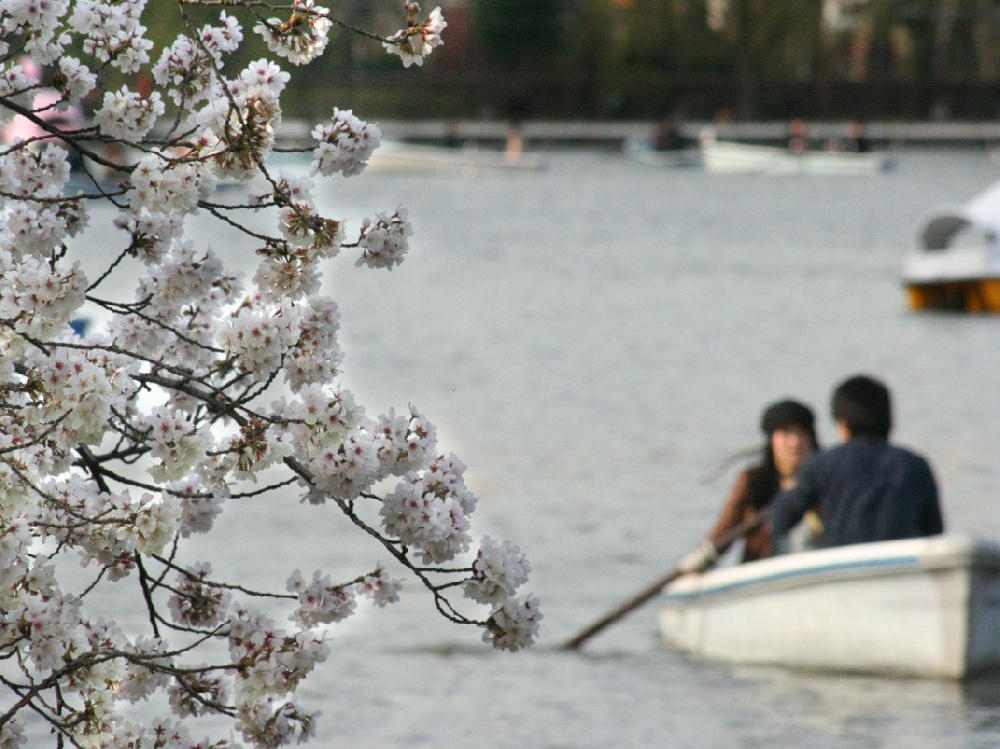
pixel 864 404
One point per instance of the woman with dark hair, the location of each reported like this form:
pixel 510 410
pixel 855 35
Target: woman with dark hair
pixel 790 428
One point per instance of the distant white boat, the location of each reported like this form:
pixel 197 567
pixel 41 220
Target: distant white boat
pixel 956 263
pixel 411 157
pixel 921 607
pixel 642 152
pixel 728 157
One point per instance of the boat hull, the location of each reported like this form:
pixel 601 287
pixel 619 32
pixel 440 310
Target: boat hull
pixel 641 152
pixel 923 607
pixel 396 157
pixel 974 295
pixel 957 279
pixel 724 157
pixel 956 264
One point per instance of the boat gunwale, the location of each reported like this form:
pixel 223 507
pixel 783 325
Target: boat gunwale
pixel 746 580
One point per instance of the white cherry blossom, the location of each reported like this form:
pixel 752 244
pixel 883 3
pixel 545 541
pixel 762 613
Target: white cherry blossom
pixel 163 185
pixel 37 22
pixel 195 602
pixel 345 144
pixel 75 79
pixel 380 587
pixel 112 33
pixel 385 239
pixel 186 69
pixel 514 624
pixel 419 38
pixel 128 115
pixel 12 734
pixel 430 510
pixel 302 37
pixel 320 601
pixel 499 570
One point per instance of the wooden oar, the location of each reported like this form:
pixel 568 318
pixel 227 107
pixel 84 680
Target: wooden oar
pixel 651 591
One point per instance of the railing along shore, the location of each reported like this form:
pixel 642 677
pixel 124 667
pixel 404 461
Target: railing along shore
pixel 559 134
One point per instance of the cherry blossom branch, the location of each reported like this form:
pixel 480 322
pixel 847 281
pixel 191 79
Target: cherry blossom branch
pixel 120 443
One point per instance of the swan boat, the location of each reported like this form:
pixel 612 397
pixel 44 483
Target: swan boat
pixel 925 607
pixel 956 263
pixel 729 157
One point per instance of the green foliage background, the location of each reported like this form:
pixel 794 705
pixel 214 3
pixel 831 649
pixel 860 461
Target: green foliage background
pixel 597 59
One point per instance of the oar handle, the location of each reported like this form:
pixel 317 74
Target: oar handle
pixel 735 533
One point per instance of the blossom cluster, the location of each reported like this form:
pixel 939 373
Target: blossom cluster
pixel 237 124
pixel 40 299
pixel 186 69
pixel 379 587
pixel 514 624
pixel 258 338
pixel 419 38
pixel 385 240
pixel 273 660
pixel 143 398
pixel 111 32
pixel 300 39
pixel 320 601
pixel 128 115
pixel 345 144
pixel 430 510
pixel 164 185
pixel 37 24
pixel 499 570
pixel 197 603
pixel 75 81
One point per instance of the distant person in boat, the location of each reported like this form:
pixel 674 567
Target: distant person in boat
pixel 668 136
pixel 864 489
pixel 790 431
pixel 796 140
pixel 453 134
pixel 856 142
pixel 514 148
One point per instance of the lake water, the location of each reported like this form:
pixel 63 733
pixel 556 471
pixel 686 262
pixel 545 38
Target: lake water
pixel 594 340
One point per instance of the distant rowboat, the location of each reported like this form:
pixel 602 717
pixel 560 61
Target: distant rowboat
pixel 921 607
pixel 396 156
pixel 642 152
pixel 728 157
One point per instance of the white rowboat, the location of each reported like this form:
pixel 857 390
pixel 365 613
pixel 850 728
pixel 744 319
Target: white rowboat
pixel 398 157
pixel 728 157
pixel 921 607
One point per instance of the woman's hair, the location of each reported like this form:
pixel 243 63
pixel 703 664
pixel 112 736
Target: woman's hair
pixel 764 480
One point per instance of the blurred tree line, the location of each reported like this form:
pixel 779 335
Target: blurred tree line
pixel 632 59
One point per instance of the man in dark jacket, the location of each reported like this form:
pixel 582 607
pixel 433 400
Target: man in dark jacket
pixel 864 489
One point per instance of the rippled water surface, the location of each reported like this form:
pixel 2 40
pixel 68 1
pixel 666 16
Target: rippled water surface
pixel 594 340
